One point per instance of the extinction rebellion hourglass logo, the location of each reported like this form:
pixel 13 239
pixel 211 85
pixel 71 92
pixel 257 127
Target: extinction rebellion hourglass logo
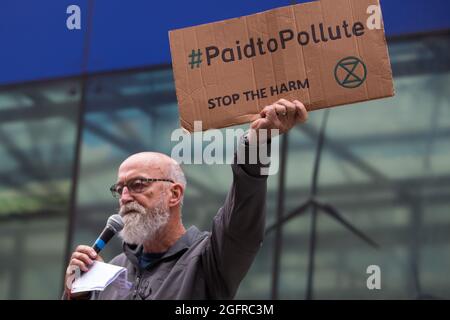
pixel 350 72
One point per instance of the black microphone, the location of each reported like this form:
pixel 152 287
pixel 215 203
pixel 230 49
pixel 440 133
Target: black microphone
pixel 113 225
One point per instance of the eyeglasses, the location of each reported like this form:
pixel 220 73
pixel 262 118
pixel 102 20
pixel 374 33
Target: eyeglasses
pixel 137 185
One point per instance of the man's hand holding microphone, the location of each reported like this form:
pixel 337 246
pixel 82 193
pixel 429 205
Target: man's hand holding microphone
pixel 84 256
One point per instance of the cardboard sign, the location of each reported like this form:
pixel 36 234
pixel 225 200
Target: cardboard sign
pixel 324 53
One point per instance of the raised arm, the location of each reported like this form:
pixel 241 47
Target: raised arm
pixel 238 228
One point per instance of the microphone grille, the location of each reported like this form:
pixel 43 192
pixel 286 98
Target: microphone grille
pixel 115 222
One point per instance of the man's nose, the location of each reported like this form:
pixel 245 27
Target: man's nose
pixel 126 196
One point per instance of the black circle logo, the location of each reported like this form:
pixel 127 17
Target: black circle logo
pixel 350 72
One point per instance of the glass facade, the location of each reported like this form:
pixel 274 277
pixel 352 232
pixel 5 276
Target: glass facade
pixel 38 124
pixel 384 168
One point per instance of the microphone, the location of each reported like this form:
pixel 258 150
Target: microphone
pixel 113 225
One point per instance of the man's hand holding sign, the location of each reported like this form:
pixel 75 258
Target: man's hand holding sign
pixel 282 116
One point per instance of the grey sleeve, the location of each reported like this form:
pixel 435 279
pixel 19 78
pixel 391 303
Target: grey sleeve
pixel 237 231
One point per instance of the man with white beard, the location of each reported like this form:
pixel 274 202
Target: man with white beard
pixel 163 259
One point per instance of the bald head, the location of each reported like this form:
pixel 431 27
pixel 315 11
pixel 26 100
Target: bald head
pixel 153 163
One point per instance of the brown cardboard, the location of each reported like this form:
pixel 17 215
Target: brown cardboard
pixel 306 66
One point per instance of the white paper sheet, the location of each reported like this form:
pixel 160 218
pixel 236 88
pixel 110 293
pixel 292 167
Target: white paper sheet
pixel 101 275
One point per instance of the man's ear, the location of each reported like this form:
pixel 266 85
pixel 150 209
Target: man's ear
pixel 176 194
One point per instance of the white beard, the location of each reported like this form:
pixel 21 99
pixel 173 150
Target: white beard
pixel 143 224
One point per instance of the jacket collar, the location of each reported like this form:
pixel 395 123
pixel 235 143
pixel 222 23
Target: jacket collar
pixel 186 240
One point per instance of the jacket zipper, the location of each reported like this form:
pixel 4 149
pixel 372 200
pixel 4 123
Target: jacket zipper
pixel 137 283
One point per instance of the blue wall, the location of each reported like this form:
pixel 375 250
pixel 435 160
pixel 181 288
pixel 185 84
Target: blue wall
pixel 35 43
